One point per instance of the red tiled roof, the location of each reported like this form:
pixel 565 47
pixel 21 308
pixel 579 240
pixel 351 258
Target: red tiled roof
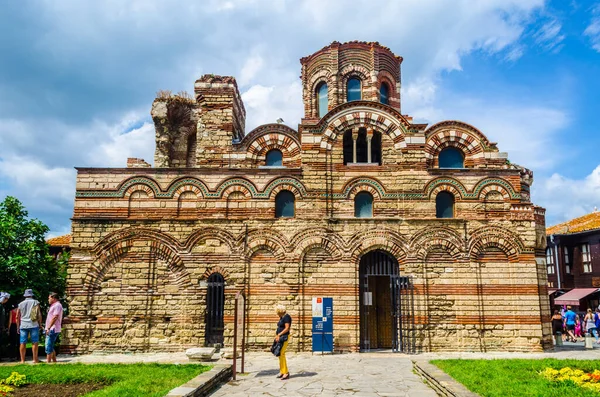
pixel 60 241
pixel 584 223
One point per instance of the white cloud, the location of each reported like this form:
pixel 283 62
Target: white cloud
pixel 565 198
pixel 267 104
pixel 549 36
pixel 593 29
pixel 252 66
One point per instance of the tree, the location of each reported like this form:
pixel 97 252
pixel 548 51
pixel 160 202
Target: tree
pixel 24 258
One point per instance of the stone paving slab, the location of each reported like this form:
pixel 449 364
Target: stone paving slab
pixel 365 375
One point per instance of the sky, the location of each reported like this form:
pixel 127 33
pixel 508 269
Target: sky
pixel 77 80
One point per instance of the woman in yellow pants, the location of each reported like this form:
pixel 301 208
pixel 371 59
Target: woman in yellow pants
pixel 283 332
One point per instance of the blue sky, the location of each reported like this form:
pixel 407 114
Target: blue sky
pixel 77 79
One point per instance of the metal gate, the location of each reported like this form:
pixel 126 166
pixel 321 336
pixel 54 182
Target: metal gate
pixel 379 263
pixel 215 307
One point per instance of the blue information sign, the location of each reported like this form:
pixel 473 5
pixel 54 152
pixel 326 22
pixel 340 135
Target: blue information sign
pixel 322 324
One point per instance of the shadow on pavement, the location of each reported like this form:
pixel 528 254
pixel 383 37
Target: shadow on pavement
pixel 303 374
pixel 269 372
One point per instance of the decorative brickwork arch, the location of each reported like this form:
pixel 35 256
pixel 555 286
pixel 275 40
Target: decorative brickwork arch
pixel 179 186
pixel 270 240
pixel 134 233
pixel 429 239
pixel 312 238
pixel 242 189
pixel 144 183
pixel 459 135
pixel 138 188
pixel 447 184
pixel 382 238
pixel 494 236
pixel 272 136
pixel 284 183
pixel 320 75
pixel 215 269
pixel 363 184
pixel 238 183
pixel 211 233
pixel 362 115
pixel 174 263
pixel 486 185
pixel 109 255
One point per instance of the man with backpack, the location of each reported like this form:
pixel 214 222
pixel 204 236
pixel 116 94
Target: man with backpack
pixel 29 318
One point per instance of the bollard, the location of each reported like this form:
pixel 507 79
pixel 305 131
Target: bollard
pixel 558 339
pixel 589 341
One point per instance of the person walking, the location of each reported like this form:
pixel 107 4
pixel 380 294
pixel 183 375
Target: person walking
pixel 557 324
pixel 53 326
pixel 29 318
pixel 283 334
pixel 13 333
pixel 4 297
pixel 570 317
pixel 590 324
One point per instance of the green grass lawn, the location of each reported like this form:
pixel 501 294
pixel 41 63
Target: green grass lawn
pixel 500 378
pixel 121 379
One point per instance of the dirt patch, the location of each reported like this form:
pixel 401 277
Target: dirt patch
pixel 53 390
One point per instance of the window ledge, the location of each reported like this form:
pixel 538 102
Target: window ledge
pixel 272 167
pixel 360 164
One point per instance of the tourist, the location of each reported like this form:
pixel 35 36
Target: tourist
pixel 4 297
pixel 282 337
pixel 578 333
pixel 13 333
pixel 597 322
pixel 557 324
pixel 29 319
pixel 590 325
pixel 53 326
pixel 570 317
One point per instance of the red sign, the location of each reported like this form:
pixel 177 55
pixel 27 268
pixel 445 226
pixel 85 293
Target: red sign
pixel 319 300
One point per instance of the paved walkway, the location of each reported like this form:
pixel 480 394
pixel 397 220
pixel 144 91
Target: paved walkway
pixel 365 375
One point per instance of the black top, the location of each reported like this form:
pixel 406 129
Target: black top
pixel 285 319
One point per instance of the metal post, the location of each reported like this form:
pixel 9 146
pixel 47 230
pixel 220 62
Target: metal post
pixel 235 330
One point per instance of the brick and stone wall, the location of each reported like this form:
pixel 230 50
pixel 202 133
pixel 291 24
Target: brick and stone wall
pixel 145 240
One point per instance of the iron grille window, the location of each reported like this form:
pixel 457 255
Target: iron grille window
pixel 215 307
pixel 586 259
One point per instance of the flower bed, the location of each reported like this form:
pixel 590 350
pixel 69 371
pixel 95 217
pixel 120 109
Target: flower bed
pixel 587 380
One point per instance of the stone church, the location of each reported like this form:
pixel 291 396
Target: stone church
pixel 424 236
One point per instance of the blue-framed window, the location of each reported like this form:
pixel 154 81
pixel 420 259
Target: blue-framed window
pixel 363 205
pixel 354 90
pixel 384 94
pixel 285 204
pixel 322 99
pixel 444 205
pixel 451 158
pixel 274 158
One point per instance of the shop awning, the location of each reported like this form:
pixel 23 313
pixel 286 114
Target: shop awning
pixel 574 296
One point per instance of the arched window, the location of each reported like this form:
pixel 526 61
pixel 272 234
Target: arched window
pixel 215 309
pixel 284 204
pixel 348 147
pixel 274 158
pixel 451 158
pixel 365 151
pixel 444 205
pixel 363 205
pixel 353 88
pixel 384 93
pixel 322 99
